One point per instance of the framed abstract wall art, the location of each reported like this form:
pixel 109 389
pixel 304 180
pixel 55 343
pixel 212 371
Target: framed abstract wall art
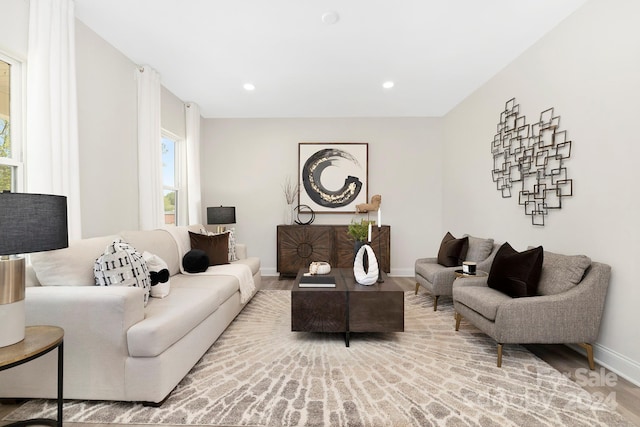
pixel 333 176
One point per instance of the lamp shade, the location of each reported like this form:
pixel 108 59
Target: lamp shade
pixel 32 223
pixel 221 215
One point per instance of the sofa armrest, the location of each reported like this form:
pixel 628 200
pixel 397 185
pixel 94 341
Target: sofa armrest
pixel 461 282
pixel 241 250
pixel 569 317
pixel 92 316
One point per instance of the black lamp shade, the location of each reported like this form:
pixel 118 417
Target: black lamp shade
pixel 221 215
pixel 32 223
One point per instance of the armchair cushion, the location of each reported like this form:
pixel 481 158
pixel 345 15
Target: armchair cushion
pixel 480 299
pixel 516 273
pixel 452 251
pixel 561 272
pixel 479 249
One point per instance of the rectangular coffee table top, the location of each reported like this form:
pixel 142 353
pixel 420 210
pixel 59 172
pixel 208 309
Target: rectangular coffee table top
pixel 345 281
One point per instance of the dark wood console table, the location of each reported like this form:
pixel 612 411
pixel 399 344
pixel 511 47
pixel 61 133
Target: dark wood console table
pixel 299 245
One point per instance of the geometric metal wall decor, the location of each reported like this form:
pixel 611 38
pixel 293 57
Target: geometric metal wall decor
pixel 530 158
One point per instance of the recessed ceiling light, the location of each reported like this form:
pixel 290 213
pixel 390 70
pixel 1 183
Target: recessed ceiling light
pixel 249 86
pixel 387 85
pixel 330 18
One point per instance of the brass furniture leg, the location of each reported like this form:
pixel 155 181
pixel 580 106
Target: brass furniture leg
pixel 589 348
pixel 417 287
pixel 458 317
pixel 499 355
pixel 435 302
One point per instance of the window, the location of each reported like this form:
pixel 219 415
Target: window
pixel 174 196
pixel 10 153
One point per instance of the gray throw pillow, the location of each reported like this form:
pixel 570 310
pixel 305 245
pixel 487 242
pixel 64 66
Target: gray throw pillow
pixel 561 272
pixel 479 249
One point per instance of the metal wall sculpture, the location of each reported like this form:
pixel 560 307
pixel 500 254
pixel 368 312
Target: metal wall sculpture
pixel 530 157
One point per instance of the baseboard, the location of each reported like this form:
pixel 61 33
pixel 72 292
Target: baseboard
pixel 614 361
pixel 269 272
pixel 402 272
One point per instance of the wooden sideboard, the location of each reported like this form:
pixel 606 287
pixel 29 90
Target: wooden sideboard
pixel 299 245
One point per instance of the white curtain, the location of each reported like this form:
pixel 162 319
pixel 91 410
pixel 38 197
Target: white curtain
pixel 194 197
pixel 150 194
pixel 51 151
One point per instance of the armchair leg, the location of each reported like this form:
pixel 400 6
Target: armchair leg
pixel 458 317
pixel 589 348
pixel 499 355
pixel 417 287
pixel 435 302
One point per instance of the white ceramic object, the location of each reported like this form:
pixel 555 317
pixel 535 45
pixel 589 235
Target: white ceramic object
pixel 369 277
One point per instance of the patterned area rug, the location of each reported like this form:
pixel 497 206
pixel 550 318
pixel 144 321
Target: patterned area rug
pixel 259 373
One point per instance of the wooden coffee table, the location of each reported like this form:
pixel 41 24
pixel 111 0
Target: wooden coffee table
pixel 349 307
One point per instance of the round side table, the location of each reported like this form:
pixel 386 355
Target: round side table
pixel 38 341
pixel 479 273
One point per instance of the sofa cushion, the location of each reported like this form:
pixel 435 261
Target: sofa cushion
pixel 122 265
pixel 252 262
pixel 233 256
pixel 167 320
pixel 452 251
pixel 516 273
pixel 72 266
pixel 195 261
pixel 159 242
pixel 561 272
pixel 216 246
pixel 481 299
pixel 435 273
pixel 479 249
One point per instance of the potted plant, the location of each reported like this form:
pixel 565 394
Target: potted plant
pixel 360 233
pixel 359 230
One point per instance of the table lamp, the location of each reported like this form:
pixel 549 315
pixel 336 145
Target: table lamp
pixel 221 215
pixel 28 223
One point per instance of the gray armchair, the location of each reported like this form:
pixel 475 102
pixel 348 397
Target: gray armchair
pixel 568 309
pixel 438 280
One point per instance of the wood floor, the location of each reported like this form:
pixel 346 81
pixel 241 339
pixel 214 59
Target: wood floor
pixel 602 383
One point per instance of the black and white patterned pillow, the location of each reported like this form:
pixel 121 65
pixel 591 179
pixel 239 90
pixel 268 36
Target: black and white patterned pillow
pixel 122 265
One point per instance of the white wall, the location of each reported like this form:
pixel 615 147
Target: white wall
pixel 107 130
pixel 14 28
pixel 245 162
pixel 587 69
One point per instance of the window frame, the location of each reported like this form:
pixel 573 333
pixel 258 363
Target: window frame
pixel 16 115
pixel 179 178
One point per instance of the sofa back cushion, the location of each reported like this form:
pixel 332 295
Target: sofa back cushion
pixel 561 272
pixel 158 242
pixel 72 266
pixel 479 249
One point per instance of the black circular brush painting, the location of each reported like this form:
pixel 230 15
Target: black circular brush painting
pixel 312 179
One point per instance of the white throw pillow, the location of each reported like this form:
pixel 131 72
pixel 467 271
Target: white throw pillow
pixel 122 265
pixel 159 275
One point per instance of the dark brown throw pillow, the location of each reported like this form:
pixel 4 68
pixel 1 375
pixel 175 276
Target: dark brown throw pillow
pixel 216 247
pixel 516 273
pixel 452 251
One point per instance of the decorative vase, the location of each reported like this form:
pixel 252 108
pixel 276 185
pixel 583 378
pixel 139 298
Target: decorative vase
pixel 356 247
pixel 288 214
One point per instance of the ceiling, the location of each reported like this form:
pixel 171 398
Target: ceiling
pixel 437 52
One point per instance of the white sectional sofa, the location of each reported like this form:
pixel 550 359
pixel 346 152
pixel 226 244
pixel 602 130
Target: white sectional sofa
pixel 115 348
